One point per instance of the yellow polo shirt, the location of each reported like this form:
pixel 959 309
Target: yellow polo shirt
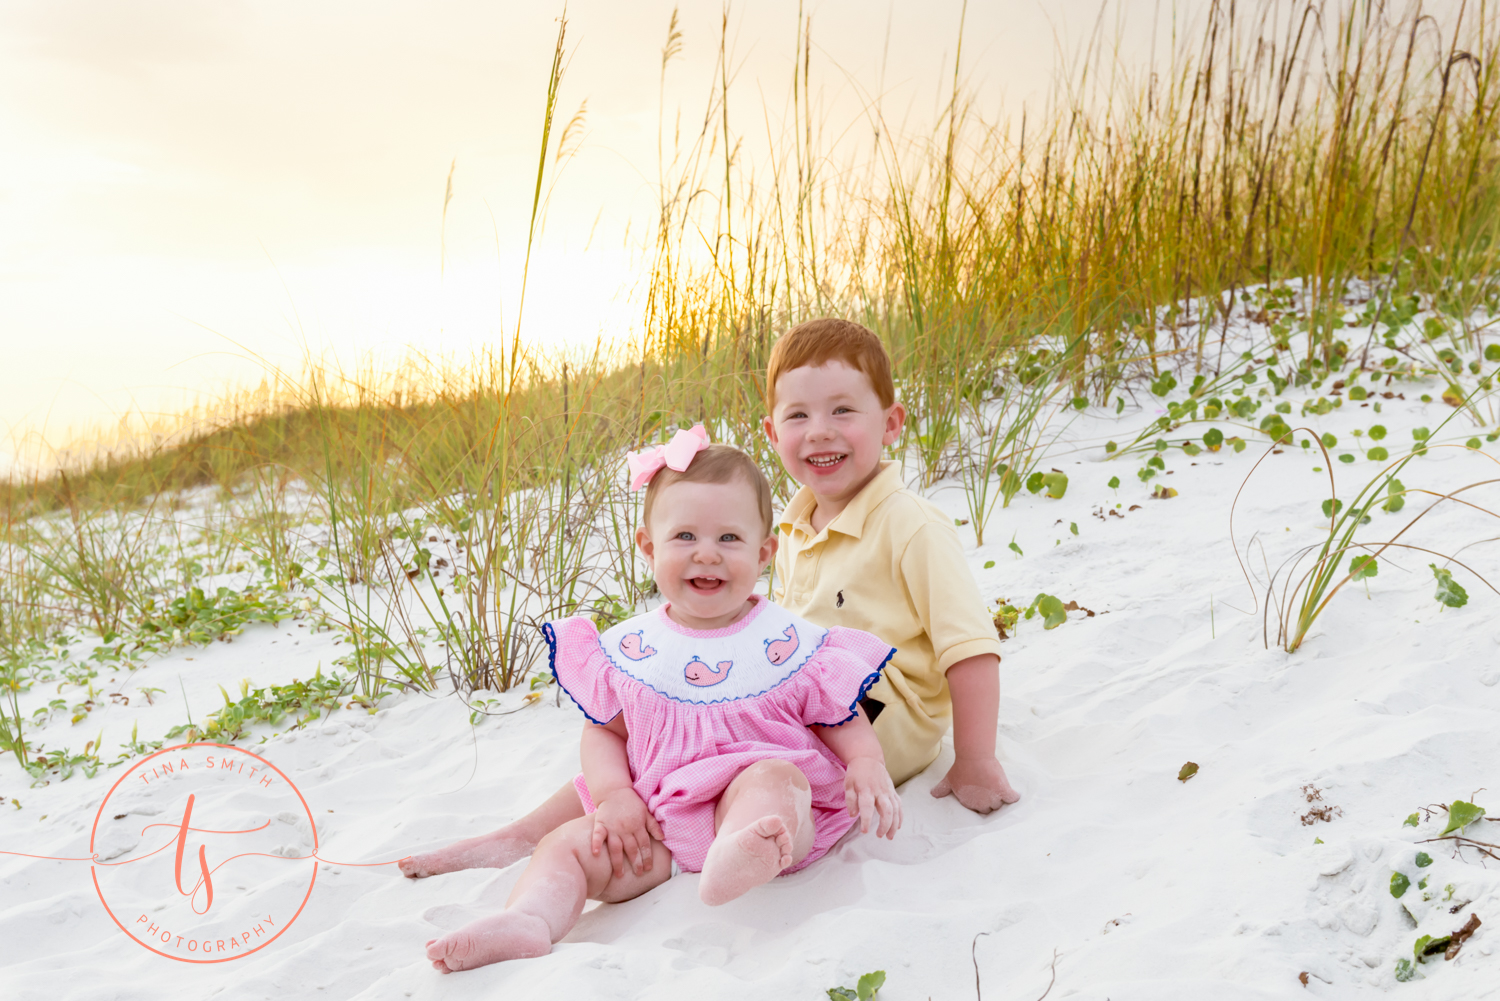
pixel 891 564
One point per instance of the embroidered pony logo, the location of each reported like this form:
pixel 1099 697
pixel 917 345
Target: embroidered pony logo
pixel 778 651
pixel 634 646
pixel 699 673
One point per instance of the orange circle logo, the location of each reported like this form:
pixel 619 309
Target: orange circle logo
pixel 204 853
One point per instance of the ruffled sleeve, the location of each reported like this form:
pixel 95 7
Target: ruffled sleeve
pixel 581 669
pixel 840 673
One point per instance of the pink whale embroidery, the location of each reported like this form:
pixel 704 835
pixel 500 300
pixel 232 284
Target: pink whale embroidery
pixel 700 674
pixel 778 651
pixel 634 647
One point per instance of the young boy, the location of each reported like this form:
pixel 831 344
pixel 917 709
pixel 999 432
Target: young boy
pixel 857 549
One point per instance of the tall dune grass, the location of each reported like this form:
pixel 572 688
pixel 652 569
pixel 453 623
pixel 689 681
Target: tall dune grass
pixel 1100 240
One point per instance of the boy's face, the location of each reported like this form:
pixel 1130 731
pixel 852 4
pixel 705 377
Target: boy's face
pixel 828 428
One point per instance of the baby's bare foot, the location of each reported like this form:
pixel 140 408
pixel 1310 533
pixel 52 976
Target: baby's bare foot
pixel 745 859
pixel 494 850
pixel 507 935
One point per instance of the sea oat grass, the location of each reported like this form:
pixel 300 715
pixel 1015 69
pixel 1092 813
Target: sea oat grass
pixel 1013 268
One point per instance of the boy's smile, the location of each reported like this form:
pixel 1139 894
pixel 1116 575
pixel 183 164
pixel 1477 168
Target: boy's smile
pixel 828 427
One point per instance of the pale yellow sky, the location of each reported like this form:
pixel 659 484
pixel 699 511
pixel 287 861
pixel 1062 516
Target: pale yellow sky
pixel 185 183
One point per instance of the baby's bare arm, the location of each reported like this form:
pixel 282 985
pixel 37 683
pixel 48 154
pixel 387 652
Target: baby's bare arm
pixel 854 739
pixel 976 778
pixel 606 767
pixel 621 821
pixel 868 790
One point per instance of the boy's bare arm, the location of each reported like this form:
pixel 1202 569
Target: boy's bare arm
pixel 976 778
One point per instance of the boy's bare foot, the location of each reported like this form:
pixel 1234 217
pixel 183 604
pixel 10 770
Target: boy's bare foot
pixel 745 859
pixel 980 785
pixel 494 850
pixel 507 935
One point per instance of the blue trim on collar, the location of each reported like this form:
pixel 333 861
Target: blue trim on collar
pixel 733 698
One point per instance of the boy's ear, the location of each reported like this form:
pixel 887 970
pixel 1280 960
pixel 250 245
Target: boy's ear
pixel 769 427
pixel 895 420
pixel 644 544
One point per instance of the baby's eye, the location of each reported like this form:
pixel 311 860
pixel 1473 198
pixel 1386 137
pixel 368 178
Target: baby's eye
pixel 729 537
pixel 842 410
pixel 684 536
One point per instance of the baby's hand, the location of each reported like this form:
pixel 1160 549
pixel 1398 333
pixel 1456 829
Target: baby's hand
pixel 868 791
pixel 623 823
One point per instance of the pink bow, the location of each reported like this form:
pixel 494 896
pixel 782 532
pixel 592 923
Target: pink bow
pixel 675 454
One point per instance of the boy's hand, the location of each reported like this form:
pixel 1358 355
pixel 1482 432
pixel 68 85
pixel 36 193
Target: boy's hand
pixel 625 826
pixel 869 793
pixel 978 783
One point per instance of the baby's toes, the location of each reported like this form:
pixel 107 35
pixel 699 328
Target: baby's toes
pixel 446 953
pixel 773 828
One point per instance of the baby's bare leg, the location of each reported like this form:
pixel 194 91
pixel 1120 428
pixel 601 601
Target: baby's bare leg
pixel 764 824
pixel 501 847
pixel 547 899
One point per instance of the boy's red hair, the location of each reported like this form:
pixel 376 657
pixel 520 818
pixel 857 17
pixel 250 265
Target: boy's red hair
pixel 820 341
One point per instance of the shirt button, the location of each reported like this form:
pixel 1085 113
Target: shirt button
pixel 806 553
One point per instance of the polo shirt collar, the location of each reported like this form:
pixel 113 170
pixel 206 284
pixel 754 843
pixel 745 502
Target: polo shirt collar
pixel 851 520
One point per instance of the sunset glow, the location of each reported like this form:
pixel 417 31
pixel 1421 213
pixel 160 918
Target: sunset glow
pixel 191 193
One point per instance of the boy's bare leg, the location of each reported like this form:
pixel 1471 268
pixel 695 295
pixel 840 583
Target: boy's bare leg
pixel 501 847
pixel 764 824
pixel 546 901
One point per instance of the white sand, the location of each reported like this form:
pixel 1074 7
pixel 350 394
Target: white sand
pixel 1146 887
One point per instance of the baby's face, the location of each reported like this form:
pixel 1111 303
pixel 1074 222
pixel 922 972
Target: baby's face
pixel 707 546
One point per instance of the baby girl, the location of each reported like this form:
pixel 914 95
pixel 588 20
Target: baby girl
pixel 724 736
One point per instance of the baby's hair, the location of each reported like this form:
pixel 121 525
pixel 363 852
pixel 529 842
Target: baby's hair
pixel 715 464
pixel 820 341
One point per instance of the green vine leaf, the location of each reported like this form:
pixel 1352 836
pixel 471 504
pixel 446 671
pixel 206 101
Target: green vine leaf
pixel 1399 884
pixel 1053 613
pixel 870 984
pixel 1461 815
pixel 1449 592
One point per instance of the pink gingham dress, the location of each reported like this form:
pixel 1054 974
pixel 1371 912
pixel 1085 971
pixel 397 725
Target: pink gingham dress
pixel 701 706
